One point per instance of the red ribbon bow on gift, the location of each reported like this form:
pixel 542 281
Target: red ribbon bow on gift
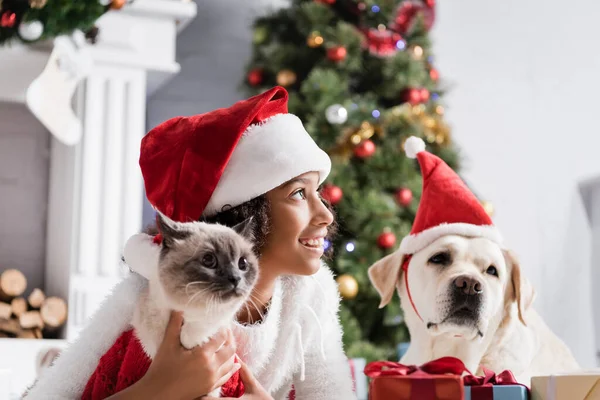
pixel 420 388
pixel 444 365
pixel 485 384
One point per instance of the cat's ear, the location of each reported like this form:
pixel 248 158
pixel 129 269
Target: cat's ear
pixel 170 231
pixel 245 228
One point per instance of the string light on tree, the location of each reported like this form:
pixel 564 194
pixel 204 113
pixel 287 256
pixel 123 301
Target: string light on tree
pixel 404 197
pixel 347 286
pixel 255 77
pixel 337 53
pixel 350 247
pixel 331 193
pixel 365 149
pixel 286 77
pixel 336 114
pixel 314 40
pixel 386 240
pixel 417 52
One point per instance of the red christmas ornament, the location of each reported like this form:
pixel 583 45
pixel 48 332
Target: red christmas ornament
pixel 325 1
pixel 430 3
pixel 407 13
pixel 416 96
pixel 404 197
pixel 386 240
pixel 337 53
pixel 8 19
pixel 365 149
pixel 333 194
pixel 434 74
pixel 383 43
pixel 255 77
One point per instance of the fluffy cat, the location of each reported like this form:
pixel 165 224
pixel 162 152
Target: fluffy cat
pixel 207 271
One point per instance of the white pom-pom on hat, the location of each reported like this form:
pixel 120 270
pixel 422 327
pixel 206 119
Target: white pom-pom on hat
pixel 141 254
pixel 413 146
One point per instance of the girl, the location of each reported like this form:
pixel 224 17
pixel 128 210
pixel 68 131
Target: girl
pixel 251 159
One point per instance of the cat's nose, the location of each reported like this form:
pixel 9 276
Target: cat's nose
pixel 234 281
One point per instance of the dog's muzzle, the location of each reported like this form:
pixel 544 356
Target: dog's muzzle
pixel 466 300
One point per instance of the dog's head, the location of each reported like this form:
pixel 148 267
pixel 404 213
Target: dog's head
pixel 458 285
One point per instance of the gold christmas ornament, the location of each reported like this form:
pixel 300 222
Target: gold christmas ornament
pixel 347 286
pixel 34 3
pixel 429 122
pixel 439 110
pixel 488 207
pixel 355 139
pixel 314 40
pixel 286 77
pixel 351 137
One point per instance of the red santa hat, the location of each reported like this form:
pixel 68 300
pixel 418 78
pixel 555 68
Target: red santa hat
pixel 447 205
pixel 195 166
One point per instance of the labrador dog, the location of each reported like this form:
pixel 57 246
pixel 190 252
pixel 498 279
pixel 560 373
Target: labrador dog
pixel 468 299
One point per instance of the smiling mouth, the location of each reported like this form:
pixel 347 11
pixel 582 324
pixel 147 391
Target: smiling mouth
pixel 314 243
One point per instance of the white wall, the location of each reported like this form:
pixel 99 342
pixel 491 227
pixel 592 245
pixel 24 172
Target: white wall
pixel 523 104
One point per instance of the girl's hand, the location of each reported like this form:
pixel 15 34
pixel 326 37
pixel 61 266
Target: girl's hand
pixel 253 389
pixel 179 373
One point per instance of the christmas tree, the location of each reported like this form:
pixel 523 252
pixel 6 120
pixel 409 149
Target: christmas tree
pixel 30 21
pixel 361 76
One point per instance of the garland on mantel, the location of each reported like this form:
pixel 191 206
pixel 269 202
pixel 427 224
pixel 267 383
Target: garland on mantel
pixel 29 21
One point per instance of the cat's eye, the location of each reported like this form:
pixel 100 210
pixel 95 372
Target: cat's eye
pixel 442 258
pixel 209 260
pixel 492 270
pixel 299 194
pixel 243 264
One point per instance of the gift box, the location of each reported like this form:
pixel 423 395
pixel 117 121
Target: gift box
pixel 437 380
pixel 503 386
pixel 583 385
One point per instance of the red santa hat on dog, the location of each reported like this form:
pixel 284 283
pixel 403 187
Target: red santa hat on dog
pixel 447 205
pixel 195 166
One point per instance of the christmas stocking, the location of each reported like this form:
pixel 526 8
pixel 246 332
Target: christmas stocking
pixel 49 95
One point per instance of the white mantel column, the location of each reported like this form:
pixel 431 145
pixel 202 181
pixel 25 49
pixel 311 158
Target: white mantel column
pixel 96 188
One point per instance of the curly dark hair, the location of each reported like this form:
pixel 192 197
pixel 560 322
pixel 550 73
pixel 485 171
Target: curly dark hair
pixel 259 208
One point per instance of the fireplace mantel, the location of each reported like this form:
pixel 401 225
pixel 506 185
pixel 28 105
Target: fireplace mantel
pixel 142 35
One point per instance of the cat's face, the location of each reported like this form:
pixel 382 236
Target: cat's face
pixel 206 264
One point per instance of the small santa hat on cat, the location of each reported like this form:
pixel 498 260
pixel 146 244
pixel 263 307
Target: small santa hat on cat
pixel 447 205
pixel 197 166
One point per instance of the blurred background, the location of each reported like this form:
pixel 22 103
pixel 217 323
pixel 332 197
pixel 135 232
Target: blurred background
pixel 503 91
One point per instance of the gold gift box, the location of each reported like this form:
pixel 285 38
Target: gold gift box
pixel 582 385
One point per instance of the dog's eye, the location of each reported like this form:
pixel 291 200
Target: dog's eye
pixel 442 258
pixel 492 270
pixel 209 260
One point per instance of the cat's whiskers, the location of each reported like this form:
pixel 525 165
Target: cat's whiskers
pixel 198 293
pixel 187 287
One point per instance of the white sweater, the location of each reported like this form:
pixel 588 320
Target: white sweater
pixel 298 343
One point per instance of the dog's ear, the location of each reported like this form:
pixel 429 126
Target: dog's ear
pixel 384 274
pixel 520 290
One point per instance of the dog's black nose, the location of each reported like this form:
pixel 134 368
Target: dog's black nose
pixel 468 285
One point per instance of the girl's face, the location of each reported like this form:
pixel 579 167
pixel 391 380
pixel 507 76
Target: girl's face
pixel 299 222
